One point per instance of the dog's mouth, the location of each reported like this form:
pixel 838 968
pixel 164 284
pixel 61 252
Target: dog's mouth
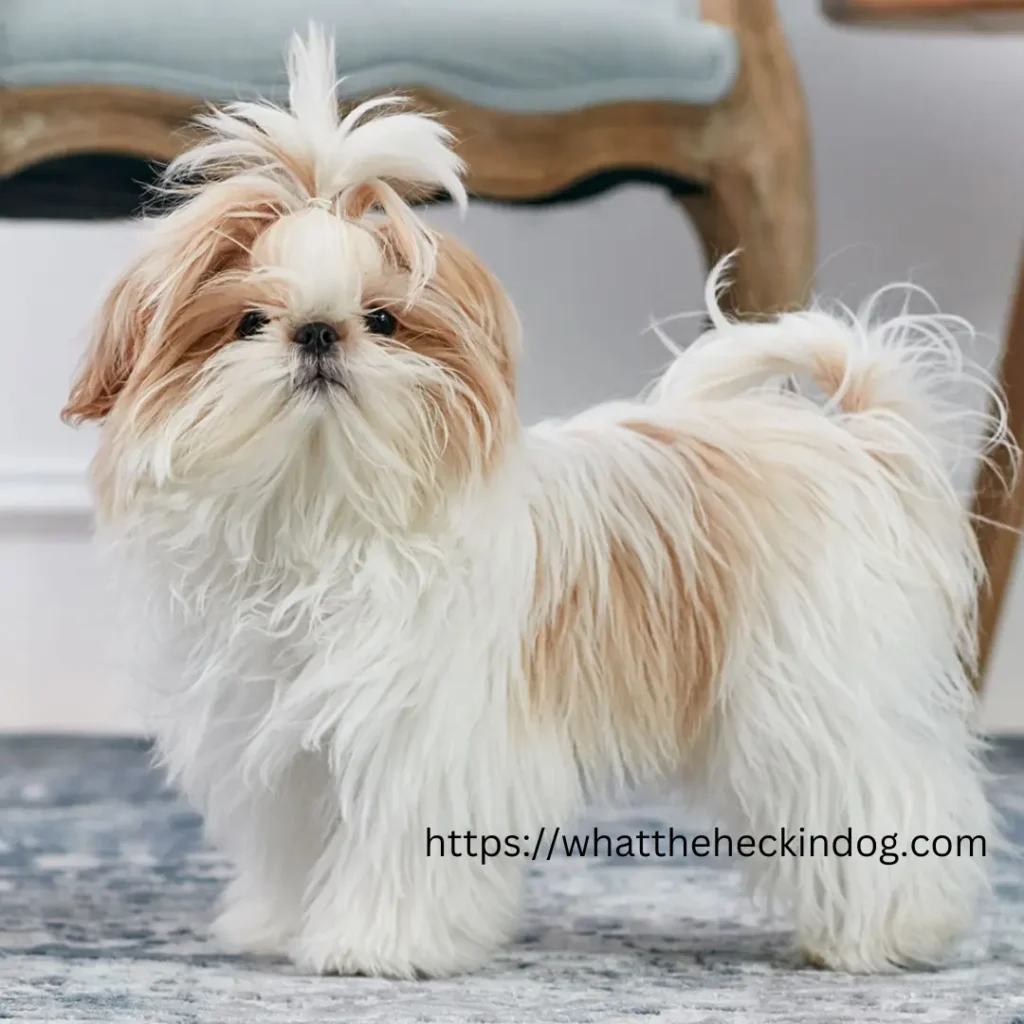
pixel 320 376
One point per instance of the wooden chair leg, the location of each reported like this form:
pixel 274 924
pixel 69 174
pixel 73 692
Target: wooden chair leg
pixel 1000 510
pixel 766 211
pixel 759 179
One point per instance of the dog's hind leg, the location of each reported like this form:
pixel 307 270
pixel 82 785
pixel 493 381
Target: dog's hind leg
pixel 844 745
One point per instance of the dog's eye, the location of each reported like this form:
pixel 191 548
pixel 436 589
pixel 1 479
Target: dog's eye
pixel 380 321
pixel 252 322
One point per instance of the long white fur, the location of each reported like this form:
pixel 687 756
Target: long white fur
pixel 408 147
pixel 325 686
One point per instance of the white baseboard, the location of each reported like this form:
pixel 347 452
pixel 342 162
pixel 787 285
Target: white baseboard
pixel 43 492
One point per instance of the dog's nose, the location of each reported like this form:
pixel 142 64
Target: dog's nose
pixel 317 338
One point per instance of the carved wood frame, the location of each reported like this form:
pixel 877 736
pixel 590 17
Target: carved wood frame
pixel 749 154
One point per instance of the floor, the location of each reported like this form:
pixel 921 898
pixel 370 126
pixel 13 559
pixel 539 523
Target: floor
pixel 106 891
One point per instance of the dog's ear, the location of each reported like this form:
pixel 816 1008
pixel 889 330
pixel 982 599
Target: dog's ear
pixel 112 353
pixel 145 325
pixel 482 299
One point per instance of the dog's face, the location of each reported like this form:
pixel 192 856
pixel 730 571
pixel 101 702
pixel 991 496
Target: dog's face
pixel 265 331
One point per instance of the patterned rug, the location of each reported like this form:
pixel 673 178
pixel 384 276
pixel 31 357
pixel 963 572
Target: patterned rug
pixel 106 891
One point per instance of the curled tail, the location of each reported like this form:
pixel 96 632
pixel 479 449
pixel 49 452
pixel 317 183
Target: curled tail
pixel 900 389
pixel 907 370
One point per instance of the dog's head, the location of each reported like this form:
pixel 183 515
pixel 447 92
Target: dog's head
pixel 293 310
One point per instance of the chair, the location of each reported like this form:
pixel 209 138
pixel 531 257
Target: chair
pixel 551 100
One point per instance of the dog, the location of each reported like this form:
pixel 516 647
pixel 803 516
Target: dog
pixel 370 603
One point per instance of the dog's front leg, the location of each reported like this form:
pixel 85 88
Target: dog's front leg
pixel 392 906
pixel 274 833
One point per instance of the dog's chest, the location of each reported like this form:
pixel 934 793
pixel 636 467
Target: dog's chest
pixel 376 626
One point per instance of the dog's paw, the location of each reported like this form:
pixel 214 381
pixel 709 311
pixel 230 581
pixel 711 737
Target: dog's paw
pixel 243 928
pixel 361 963
pixel 849 960
pixel 388 960
pixel 922 937
pixel 881 955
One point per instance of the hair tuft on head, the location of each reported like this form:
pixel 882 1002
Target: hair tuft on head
pixel 312 150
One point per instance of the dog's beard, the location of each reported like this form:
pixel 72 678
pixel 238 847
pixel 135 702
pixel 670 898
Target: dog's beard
pixel 363 436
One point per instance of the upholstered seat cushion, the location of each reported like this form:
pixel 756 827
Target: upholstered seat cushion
pixel 522 55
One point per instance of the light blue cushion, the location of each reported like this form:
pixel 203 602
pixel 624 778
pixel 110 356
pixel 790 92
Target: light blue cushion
pixel 523 55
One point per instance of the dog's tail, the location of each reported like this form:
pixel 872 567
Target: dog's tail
pixel 899 388
pixel 906 370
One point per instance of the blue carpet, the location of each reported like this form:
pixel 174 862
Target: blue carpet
pixel 106 891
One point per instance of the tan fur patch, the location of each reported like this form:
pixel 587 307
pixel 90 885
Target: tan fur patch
pixel 629 640
pixel 857 390
pixel 462 319
pixel 210 236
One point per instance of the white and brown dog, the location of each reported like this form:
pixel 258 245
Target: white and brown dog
pixel 373 603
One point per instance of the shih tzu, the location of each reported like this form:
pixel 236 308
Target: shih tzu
pixel 372 603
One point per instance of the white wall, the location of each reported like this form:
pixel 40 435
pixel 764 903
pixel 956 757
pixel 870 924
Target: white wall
pixel 920 153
